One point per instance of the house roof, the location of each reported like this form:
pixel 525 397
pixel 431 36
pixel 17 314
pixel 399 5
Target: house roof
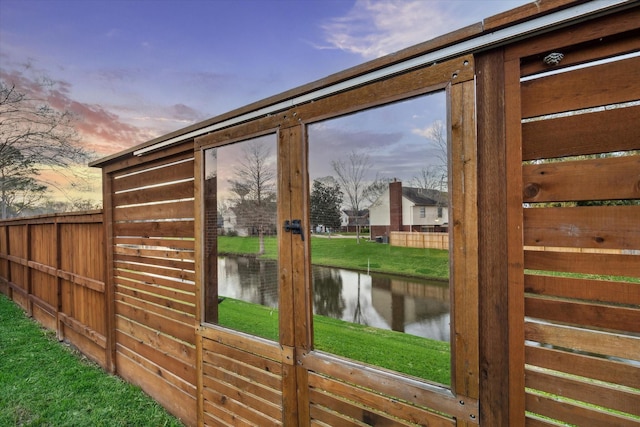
pixel 351 212
pixel 424 197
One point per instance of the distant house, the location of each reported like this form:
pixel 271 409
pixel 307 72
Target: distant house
pixel 246 219
pixel 349 220
pixel 408 209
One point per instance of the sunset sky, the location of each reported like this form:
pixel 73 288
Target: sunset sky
pixel 135 69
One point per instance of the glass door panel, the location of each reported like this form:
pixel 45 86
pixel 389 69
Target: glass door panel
pixel 240 226
pixel 379 213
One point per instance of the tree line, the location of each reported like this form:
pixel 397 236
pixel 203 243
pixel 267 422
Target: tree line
pixel 35 138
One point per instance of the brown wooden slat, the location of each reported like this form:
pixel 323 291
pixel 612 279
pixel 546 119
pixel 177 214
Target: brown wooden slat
pixel 574 414
pixel 364 415
pixel 158 262
pixel 127 164
pixel 152 269
pixel 175 400
pixel 520 13
pixel 235 402
pixel 368 406
pixel 319 414
pixel 582 88
pixel 246 343
pixel 80 217
pixel 583 314
pixel 596 179
pixel 623 346
pixel 17 260
pixel 44 317
pixel 168 243
pixel 169 173
pixel 611 371
pixel 83 329
pixel 179 372
pixel 171 210
pixel 417 82
pixel 164 344
pixel 156 322
pixel 175 191
pixel 264 367
pixel 250 400
pixel 147 306
pixel 184 291
pixel 577 35
pixel 591 133
pixel 585 289
pixel 86 282
pixel 533 421
pixel 154 229
pixel 595 49
pixel 155 253
pixel 52 271
pixel 178 306
pixel 391 385
pixel 216 416
pixel 43 305
pixel 160 295
pixel 584 263
pixel 217 374
pixel 84 345
pixel 246 370
pixel 605 227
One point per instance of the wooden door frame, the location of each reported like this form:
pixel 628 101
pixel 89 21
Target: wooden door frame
pixel 295 347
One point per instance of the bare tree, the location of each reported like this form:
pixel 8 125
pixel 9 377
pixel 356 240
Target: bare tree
pixel 435 176
pixel 350 174
pixel 33 137
pixel 255 184
pixel 374 190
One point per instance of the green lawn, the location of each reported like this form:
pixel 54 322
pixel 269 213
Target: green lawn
pixel 44 383
pixel 405 353
pixel 347 253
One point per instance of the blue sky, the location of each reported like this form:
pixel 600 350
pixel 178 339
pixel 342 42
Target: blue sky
pixel 136 69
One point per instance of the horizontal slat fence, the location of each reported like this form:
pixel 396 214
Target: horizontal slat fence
pixel 53 267
pixel 419 240
pixel 153 278
pixel 241 379
pixel 581 230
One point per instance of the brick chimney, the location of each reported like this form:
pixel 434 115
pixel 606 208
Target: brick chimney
pixel 395 205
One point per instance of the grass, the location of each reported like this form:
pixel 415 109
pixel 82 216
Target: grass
pixel 44 383
pixel 347 253
pixel 411 355
pixel 400 352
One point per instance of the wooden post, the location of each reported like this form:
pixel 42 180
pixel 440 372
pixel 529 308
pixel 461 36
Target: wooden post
pixel 27 258
pixel 58 249
pixel 109 294
pixel 500 312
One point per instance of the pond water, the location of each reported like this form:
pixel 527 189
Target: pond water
pixel 414 306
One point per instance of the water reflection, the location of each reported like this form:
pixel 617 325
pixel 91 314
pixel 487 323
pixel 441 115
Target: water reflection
pixel 418 307
pixel 248 279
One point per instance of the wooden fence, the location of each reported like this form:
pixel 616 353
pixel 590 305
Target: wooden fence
pixel 538 159
pixel 581 305
pixel 54 268
pixel 419 240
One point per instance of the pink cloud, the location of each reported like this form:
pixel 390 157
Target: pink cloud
pixel 100 129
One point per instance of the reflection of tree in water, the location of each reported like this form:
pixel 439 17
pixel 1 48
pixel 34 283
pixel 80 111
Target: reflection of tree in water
pixel 258 279
pixel 327 292
pixel 358 317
